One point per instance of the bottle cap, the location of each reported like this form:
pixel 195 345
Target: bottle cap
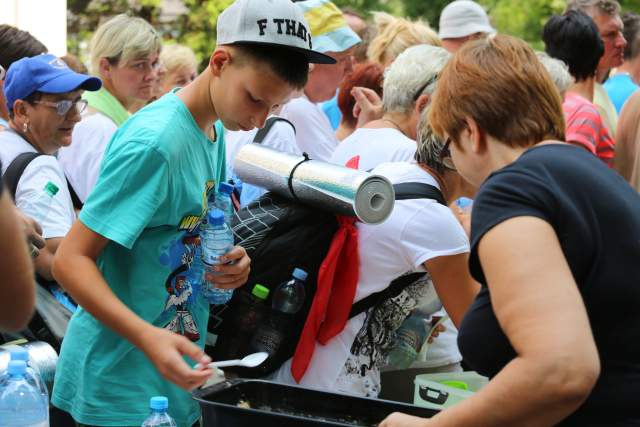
pixel 215 217
pixel 300 274
pixel 19 353
pixel 225 188
pixel 17 367
pixel 464 202
pixel 51 188
pixel 260 291
pixel 159 403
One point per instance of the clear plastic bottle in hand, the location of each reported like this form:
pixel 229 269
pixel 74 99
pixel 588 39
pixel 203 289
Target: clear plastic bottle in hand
pixel 216 239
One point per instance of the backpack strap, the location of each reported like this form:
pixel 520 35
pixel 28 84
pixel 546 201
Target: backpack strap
pixel 15 170
pixel 418 190
pixel 262 133
pixel 77 203
pixel 404 191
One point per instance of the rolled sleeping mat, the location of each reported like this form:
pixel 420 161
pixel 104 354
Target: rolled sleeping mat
pixel 333 188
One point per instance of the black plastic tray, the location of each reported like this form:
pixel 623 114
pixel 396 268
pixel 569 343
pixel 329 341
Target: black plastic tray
pixel 278 405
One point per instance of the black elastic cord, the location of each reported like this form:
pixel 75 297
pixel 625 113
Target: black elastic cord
pixel 290 182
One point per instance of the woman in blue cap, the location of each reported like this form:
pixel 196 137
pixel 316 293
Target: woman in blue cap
pixel 43 99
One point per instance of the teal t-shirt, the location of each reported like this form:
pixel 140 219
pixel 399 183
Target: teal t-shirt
pixel 148 201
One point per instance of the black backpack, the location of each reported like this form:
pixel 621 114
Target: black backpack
pixel 280 235
pixel 51 315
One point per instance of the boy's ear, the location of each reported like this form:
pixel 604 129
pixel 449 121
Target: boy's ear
pixel 219 59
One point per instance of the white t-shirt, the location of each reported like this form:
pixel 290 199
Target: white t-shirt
pixel 416 231
pixel 280 137
pixel 42 169
pixel 370 147
pixel 314 134
pixel 81 160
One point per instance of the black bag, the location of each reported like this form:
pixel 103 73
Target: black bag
pixel 280 235
pixel 51 316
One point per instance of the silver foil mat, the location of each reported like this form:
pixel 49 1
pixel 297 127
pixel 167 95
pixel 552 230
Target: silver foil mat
pixel 42 357
pixel 329 187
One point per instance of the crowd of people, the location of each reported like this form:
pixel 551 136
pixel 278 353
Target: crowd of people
pixel 537 285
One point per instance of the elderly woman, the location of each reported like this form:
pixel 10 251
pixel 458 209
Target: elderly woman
pixel 421 235
pixel 407 88
pixel 44 102
pixel 125 55
pixel 555 243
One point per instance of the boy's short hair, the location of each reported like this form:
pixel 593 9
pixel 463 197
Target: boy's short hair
pixel 574 38
pixel 290 66
pixel 503 87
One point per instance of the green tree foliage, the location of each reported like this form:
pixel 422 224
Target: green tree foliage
pixel 197 26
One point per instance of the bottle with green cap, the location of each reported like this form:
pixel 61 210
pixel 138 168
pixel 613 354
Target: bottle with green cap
pixel 38 208
pixel 247 314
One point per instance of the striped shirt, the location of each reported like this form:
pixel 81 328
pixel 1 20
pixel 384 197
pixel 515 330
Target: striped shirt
pixel 584 126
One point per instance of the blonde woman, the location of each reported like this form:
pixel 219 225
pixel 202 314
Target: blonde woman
pixel 125 55
pixel 181 67
pixel 395 35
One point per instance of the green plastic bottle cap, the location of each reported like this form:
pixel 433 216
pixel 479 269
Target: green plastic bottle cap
pixel 260 291
pixel 51 188
pixel 456 384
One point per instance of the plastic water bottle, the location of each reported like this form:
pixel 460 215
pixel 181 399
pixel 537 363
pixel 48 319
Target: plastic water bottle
pixel 216 240
pixel 224 203
pixel 465 203
pixel 159 417
pixel 247 316
pixel 39 207
pixel 21 403
pixel 409 339
pixel 32 374
pixel 287 300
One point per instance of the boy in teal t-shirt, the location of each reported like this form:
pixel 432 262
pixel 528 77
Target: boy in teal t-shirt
pixel 132 262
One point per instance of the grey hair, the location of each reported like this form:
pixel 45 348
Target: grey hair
pixel 558 71
pixel 429 144
pixel 606 7
pixel 409 73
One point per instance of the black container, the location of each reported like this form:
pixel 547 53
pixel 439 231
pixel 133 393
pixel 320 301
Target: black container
pixel 278 405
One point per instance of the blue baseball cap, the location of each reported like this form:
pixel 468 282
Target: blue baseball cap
pixel 44 73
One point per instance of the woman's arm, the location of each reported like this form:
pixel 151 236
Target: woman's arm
pixel 17 288
pixel 454 284
pixel 74 267
pixel 540 309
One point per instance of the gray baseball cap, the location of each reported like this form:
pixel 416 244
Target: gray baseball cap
pixel 278 23
pixel 463 18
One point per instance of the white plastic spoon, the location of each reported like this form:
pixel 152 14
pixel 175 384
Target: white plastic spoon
pixel 250 361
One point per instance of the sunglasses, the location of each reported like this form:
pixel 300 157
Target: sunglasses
pixel 445 155
pixel 424 86
pixel 63 107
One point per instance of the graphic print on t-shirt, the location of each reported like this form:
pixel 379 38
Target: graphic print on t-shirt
pixel 185 283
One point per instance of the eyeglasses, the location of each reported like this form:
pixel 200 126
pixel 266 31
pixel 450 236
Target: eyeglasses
pixel 63 107
pixel 445 155
pixel 3 73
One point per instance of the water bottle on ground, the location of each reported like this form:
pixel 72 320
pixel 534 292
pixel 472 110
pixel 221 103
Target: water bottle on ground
pixel 224 203
pixel 216 240
pixel 159 417
pixel 21 404
pixel 288 298
pixel 409 339
pixel 247 316
pixel 32 374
